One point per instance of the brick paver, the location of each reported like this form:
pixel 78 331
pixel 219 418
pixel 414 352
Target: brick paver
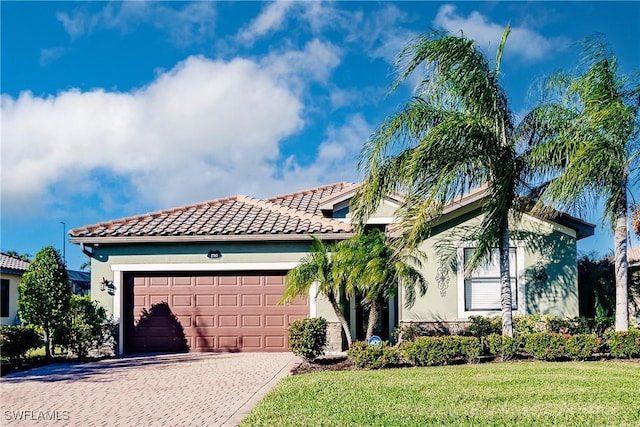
pixel 158 390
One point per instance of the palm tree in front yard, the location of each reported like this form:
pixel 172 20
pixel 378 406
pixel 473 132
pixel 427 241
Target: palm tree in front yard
pixel 586 139
pixel 319 267
pixel 457 133
pixel 377 270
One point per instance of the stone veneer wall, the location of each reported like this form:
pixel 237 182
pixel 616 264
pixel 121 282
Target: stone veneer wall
pixel 334 338
pixel 457 327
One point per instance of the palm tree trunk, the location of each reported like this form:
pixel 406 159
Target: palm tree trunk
pixel 47 342
pixel 374 311
pixel 341 318
pixel 621 266
pixel 505 280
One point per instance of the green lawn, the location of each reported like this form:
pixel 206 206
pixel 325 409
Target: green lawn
pixel 491 394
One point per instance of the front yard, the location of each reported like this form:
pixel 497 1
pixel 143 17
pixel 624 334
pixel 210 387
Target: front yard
pixel 497 394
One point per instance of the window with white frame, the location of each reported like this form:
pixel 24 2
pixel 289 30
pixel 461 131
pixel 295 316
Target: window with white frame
pixel 482 287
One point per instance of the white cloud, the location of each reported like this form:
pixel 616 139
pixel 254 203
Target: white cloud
pixel 523 42
pixel 204 129
pixel 316 15
pixel 271 19
pixel 193 22
pixel 314 63
pixel 337 156
pixel 202 126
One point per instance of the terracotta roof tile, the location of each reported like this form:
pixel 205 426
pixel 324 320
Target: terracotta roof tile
pixel 295 213
pixel 308 200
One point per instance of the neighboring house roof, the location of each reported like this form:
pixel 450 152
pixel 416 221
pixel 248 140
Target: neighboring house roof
pixel 79 276
pixel 12 265
pixel 233 218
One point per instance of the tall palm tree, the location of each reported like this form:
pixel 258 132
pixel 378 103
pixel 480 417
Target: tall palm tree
pixel 455 134
pixel 377 270
pixel 318 267
pixel 585 137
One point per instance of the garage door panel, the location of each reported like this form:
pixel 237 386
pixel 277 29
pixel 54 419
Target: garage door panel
pixel 228 342
pixel 159 281
pixel 226 312
pixel 276 342
pixel 251 321
pixel 274 320
pixel 272 300
pixel 250 280
pixel 204 281
pixel 182 300
pixel 228 281
pixel 251 300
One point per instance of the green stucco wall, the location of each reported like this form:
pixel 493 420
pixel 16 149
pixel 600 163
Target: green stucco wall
pixel 548 282
pixel 105 256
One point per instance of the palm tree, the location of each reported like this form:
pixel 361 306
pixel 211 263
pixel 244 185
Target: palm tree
pixel 457 133
pixel 23 257
pixel 585 133
pixel 318 267
pixel 377 270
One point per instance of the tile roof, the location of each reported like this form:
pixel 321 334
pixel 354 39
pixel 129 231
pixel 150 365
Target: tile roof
pixel 11 264
pixel 309 200
pixel 290 214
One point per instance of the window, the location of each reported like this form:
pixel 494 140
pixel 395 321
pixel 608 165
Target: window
pixel 482 289
pixel 4 298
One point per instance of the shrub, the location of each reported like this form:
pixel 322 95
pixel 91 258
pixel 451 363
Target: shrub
pixel 404 333
pixel 501 345
pixel 546 345
pixel 431 351
pixel 624 345
pixel 581 346
pixel 16 341
pixel 529 324
pixel 84 328
pixel 368 356
pixel 308 337
pixel 484 326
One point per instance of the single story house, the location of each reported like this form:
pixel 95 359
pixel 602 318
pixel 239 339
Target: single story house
pixel 11 272
pixel 208 276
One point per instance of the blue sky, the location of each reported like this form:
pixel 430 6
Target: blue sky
pixel 113 109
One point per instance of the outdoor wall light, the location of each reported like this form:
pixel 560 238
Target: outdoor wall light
pixel 214 254
pixel 105 284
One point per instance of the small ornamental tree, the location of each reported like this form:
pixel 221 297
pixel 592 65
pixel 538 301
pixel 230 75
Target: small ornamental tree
pixel 44 294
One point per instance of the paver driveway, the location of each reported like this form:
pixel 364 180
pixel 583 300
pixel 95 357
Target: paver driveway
pixel 159 390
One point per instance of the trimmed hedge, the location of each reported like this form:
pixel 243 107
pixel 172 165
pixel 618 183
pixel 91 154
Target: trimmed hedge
pixel 504 346
pixel 368 356
pixel 308 337
pixel 432 351
pixel 624 345
pixel 16 341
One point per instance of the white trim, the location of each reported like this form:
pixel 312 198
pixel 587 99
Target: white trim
pixel 213 266
pixel 313 308
pixel 520 282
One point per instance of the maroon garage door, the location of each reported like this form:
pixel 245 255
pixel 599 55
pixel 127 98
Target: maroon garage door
pixel 206 312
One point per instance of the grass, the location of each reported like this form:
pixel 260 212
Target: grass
pixel 493 394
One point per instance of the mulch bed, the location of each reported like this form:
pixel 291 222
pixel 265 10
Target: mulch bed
pixel 325 363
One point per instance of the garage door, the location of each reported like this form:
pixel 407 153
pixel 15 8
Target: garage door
pixel 205 312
